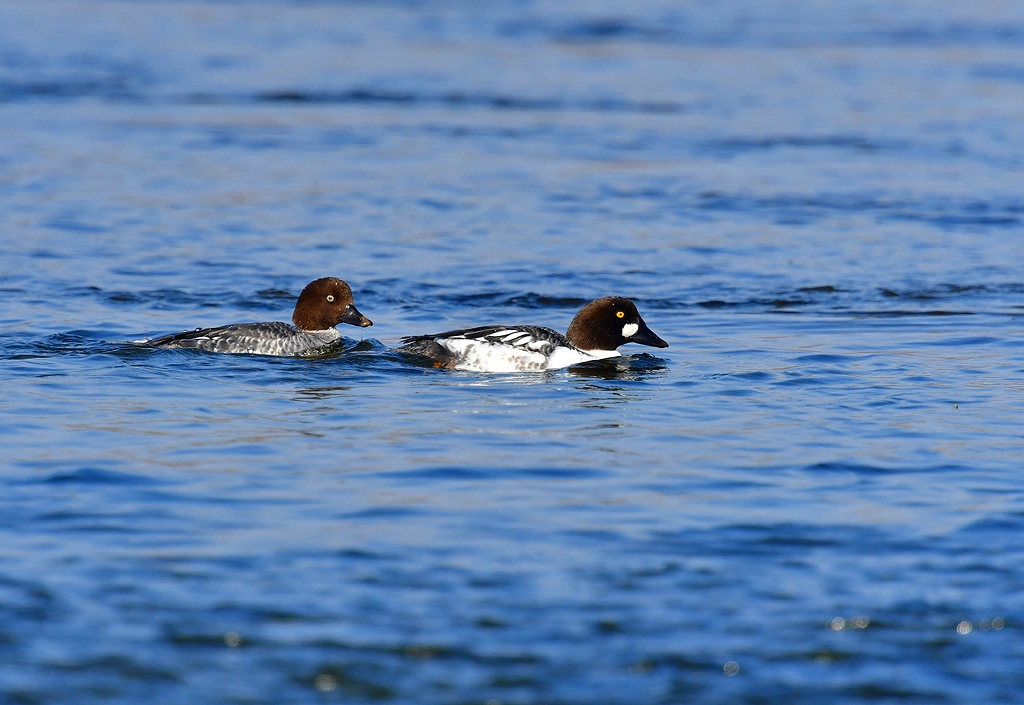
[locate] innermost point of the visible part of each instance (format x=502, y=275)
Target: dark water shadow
x=628, y=368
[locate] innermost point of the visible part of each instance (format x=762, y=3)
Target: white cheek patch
x=629, y=330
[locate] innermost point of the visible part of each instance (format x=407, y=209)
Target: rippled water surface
x=813, y=496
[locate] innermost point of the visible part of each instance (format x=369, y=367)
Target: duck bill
x=646, y=336
x=354, y=318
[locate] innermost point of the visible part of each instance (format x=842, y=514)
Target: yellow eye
x=619, y=314
x=330, y=297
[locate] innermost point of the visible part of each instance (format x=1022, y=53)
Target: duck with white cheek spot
x=322, y=305
x=594, y=334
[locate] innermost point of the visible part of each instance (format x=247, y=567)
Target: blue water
x=813, y=496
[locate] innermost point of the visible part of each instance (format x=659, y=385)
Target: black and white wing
x=535, y=339
x=490, y=348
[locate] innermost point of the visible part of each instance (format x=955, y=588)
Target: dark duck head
x=325, y=303
x=607, y=323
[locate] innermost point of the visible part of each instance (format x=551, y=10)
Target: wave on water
x=449, y=99
x=118, y=87
x=825, y=298
x=98, y=476
x=270, y=299
x=945, y=212
x=498, y=474
x=789, y=28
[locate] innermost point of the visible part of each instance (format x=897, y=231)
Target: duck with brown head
x=322, y=305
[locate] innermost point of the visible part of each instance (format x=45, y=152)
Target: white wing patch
x=564, y=357
x=517, y=338
x=629, y=330
x=517, y=350
x=485, y=356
